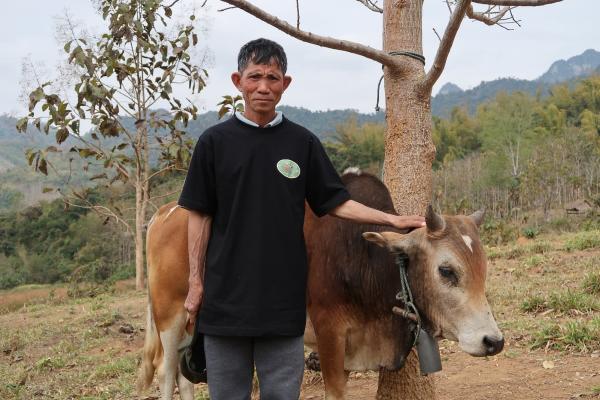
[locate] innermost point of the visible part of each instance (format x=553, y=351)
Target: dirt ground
x=55, y=347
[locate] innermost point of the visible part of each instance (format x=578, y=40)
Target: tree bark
x=141, y=201
x=409, y=153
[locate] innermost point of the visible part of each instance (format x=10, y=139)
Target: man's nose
x=263, y=87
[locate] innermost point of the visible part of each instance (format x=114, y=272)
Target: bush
x=583, y=241
x=530, y=232
x=497, y=232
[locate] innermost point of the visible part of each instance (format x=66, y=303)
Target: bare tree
x=409, y=150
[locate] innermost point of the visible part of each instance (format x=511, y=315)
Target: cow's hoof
x=312, y=362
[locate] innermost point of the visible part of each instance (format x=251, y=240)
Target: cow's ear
x=375, y=237
x=391, y=240
x=478, y=216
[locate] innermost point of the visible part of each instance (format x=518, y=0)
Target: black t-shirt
x=253, y=182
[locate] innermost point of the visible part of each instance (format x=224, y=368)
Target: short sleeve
x=199, y=189
x=325, y=190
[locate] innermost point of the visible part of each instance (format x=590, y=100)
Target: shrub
x=530, y=232
x=497, y=232
x=583, y=241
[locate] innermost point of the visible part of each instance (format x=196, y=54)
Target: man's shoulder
x=213, y=131
x=299, y=129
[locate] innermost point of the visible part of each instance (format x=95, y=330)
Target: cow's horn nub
x=477, y=217
x=434, y=221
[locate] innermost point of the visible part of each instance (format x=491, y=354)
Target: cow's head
x=447, y=272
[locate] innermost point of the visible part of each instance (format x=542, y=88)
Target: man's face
x=262, y=86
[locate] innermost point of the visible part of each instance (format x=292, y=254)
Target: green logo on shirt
x=288, y=168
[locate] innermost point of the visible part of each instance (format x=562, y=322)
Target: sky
x=322, y=78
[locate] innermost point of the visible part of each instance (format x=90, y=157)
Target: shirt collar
x=276, y=121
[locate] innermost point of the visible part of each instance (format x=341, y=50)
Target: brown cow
x=351, y=291
x=352, y=287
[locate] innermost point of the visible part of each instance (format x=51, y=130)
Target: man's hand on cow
x=193, y=301
x=407, y=221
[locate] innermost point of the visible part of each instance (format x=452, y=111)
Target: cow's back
x=167, y=259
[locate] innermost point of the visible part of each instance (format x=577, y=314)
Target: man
x=246, y=188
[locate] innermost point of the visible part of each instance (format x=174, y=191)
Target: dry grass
x=544, y=296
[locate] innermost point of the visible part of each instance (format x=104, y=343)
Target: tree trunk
x=409, y=153
x=139, y=235
x=141, y=201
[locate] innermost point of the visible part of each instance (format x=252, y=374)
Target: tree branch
x=324, y=41
x=516, y=3
x=446, y=44
x=371, y=5
x=486, y=17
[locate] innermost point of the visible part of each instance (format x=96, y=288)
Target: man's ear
x=286, y=81
x=236, y=78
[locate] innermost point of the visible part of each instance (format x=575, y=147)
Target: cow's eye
x=448, y=274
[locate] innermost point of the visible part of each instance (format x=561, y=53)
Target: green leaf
x=22, y=125
x=43, y=166
x=35, y=96
x=61, y=135
x=47, y=190
x=68, y=46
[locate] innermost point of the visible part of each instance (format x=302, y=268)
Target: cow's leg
x=171, y=339
x=186, y=388
x=331, y=341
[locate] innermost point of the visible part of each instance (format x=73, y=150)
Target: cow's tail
x=151, y=349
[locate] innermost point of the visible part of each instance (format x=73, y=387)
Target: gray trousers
x=230, y=365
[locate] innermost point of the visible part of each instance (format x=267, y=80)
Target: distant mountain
x=450, y=88
x=321, y=123
x=450, y=95
x=575, y=67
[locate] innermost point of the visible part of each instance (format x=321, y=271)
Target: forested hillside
x=518, y=156
x=568, y=71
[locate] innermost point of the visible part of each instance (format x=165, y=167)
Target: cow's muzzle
x=493, y=345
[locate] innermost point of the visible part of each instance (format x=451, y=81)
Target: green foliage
x=454, y=137
x=357, y=146
x=496, y=232
x=519, y=153
x=583, y=240
x=530, y=232
x=47, y=243
x=145, y=62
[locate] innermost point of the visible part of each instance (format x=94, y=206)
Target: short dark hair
x=262, y=51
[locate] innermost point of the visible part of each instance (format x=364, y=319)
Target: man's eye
x=448, y=274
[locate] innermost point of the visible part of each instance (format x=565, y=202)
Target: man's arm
x=199, y=225
x=357, y=212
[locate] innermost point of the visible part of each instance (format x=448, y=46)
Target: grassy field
x=545, y=293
